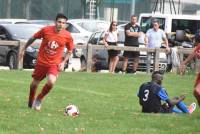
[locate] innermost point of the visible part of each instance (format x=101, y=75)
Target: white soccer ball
x=72, y=110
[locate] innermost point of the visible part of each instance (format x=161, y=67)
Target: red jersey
x=52, y=46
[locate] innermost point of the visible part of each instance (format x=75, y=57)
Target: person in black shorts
x=132, y=32
x=111, y=38
x=151, y=94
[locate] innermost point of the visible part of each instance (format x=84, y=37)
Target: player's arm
x=175, y=100
x=66, y=58
x=37, y=35
x=186, y=61
x=28, y=43
x=162, y=94
x=189, y=58
x=70, y=47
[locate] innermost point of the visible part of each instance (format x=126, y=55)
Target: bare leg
x=125, y=63
x=115, y=61
x=135, y=64
x=33, y=88
x=51, y=79
x=111, y=65
x=197, y=93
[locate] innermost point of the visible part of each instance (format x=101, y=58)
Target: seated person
x=152, y=93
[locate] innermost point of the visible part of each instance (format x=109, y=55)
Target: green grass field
x=108, y=105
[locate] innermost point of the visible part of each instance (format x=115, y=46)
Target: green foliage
x=108, y=105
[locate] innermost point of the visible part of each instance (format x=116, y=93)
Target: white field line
x=84, y=90
x=61, y=87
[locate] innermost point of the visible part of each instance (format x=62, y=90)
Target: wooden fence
x=156, y=51
x=90, y=47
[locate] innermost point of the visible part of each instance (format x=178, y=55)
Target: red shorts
x=197, y=80
x=42, y=71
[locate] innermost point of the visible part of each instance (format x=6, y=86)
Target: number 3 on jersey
x=146, y=95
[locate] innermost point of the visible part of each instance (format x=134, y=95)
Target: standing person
x=111, y=38
x=152, y=93
x=49, y=61
x=155, y=37
x=195, y=53
x=132, y=32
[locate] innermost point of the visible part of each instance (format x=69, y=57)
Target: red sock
x=44, y=91
x=32, y=92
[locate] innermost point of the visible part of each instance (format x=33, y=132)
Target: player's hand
x=61, y=66
x=182, y=97
x=175, y=98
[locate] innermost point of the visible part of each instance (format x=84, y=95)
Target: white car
x=82, y=29
x=13, y=21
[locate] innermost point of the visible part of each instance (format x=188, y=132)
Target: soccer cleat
x=37, y=105
x=30, y=104
x=192, y=107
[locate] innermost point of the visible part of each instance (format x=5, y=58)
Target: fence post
x=181, y=56
x=89, y=58
x=148, y=62
x=156, y=59
x=20, y=62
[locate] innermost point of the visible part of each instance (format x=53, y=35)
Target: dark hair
x=155, y=21
x=110, y=28
x=157, y=72
x=133, y=16
x=61, y=15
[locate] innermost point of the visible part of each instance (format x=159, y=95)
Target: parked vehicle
x=41, y=22
x=20, y=32
x=100, y=57
x=179, y=28
x=81, y=30
x=13, y=21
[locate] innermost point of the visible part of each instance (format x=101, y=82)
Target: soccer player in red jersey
x=195, y=53
x=50, y=57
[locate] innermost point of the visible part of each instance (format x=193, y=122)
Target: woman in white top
x=111, y=38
